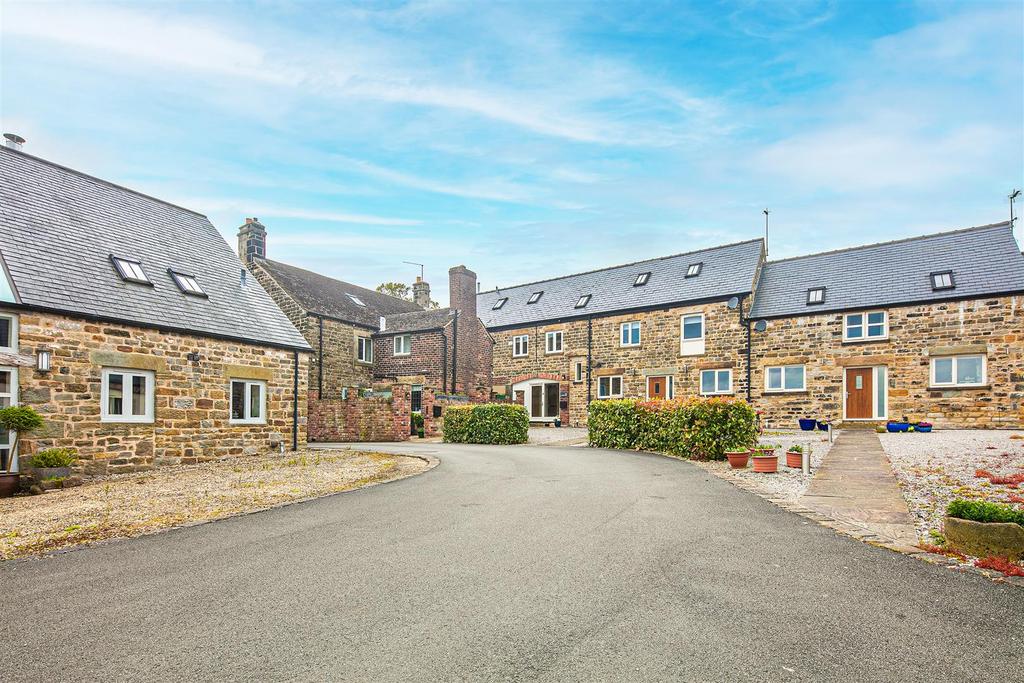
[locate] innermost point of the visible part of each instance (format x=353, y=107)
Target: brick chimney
x=252, y=240
x=462, y=290
x=421, y=293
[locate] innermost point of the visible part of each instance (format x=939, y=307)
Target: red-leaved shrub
x=1000, y=564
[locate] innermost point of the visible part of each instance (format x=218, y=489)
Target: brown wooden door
x=858, y=394
x=656, y=388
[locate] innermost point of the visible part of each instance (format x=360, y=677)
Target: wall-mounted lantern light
x=43, y=360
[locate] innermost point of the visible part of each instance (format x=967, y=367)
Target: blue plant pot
x=807, y=425
x=823, y=426
x=894, y=427
x=924, y=429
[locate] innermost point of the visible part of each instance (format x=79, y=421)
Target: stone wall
x=993, y=326
x=191, y=403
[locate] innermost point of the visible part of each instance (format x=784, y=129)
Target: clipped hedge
x=490, y=423
x=982, y=511
x=702, y=429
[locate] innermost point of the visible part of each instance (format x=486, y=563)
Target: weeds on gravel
x=1000, y=564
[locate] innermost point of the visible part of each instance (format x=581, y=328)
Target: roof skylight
x=355, y=299
x=130, y=270
x=499, y=303
x=641, y=279
x=693, y=270
x=815, y=295
x=187, y=283
x=943, y=280
x=535, y=297
x=583, y=301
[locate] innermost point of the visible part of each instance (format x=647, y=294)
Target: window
x=130, y=270
x=693, y=270
x=583, y=301
x=187, y=283
x=629, y=334
x=364, y=349
x=520, y=345
x=248, y=401
x=499, y=303
x=553, y=342
x=535, y=297
x=609, y=387
x=716, y=382
x=943, y=280
x=785, y=378
x=8, y=333
x=416, y=398
x=865, y=326
x=692, y=341
x=6, y=288
x=959, y=371
x=356, y=300
x=126, y=395
x=8, y=398
x=403, y=345
x=577, y=372
x=815, y=295
x=641, y=279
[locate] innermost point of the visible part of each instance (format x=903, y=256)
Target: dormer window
x=130, y=270
x=535, y=297
x=583, y=301
x=693, y=270
x=815, y=295
x=499, y=303
x=943, y=280
x=641, y=279
x=187, y=283
x=356, y=300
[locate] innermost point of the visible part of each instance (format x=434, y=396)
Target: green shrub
x=21, y=419
x=417, y=420
x=491, y=423
x=981, y=511
x=54, y=457
x=702, y=429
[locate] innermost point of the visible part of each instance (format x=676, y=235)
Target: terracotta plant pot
x=794, y=459
x=738, y=460
x=766, y=463
x=9, y=484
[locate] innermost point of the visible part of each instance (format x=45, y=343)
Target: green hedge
x=702, y=429
x=492, y=423
x=981, y=511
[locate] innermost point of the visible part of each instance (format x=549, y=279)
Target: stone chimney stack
x=252, y=240
x=462, y=290
x=421, y=293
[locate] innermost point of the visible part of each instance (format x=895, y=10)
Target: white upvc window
x=866, y=326
x=959, y=371
x=8, y=398
x=248, y=401
x=715, y=382
x=609, y=387
x=781, y=378
x=127, y=395
x=8, y=333
x=553, y=342
x=364, y=349
x=691, y=334
x=629, y=333
x=577, y=371
x=403, y=344
x=520, y=345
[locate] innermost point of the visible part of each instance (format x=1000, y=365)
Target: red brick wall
x=360, y=418
x=425, y=360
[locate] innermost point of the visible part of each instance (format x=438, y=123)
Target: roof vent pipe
x=242, y=274
x=13, y=141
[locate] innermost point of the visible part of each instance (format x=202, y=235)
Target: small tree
x=20, y=420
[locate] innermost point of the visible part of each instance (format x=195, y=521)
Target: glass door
x=8, y=397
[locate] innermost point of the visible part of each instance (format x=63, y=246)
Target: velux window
x=187, y=283
x=248, y=401
x=815, y=295
x=535, y=297
x=356, y=300
x=126, y=395
x=499, y=303
x=693, y=270
x=865, y=326
x=583, y=301
x=641, y=279
x=130, y=270
x=943, y=280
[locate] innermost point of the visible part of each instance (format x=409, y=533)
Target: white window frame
x=609, y=378
x=577, y=372
x=629, y=326
x=12, y=465
x=953, y=368
x=127, y=379
x=865, y=327
x=13, y=319
x=402, y=345
x=364, y=349
x=249, y=384
x=553, y=342
x=692, y=347
x=521, y=346
x=781, y=389
x=717, y=391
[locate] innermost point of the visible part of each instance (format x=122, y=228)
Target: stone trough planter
x=41, y=473
x=985, y=539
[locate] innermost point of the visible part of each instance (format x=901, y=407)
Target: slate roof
x=417, y=321
x=329, y=297
x=58, y=228
x=727, y=270
x=985, y=260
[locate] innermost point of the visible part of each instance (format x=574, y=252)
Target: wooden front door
x=657, y=388
x=858, y=394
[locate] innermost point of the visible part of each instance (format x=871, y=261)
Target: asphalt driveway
x=508, y=563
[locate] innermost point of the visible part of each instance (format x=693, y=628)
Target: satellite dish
x=760, y=326
x=733, y=303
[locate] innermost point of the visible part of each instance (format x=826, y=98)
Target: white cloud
x=257, y=208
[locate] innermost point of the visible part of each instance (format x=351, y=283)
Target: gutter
x=590, y=360
x=320, y=361
x=814, y=310
x=455, y=350
x=444, y=361
x=295, y=404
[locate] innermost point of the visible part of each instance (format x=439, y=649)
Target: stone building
x=665, y=328
x=128, y=324
x=929, y=328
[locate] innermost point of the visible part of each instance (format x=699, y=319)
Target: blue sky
x=531, y=139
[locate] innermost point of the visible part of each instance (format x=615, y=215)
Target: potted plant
x=20, y=420
x=924, y=427
x=822, y=425
x=807, y=424
x=738, y=456
x=52, y=463
x=417, y=424
x=795, y=456
x=765, y=459
x=893, y=426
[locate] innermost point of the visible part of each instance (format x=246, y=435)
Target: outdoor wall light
x=43, y=360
